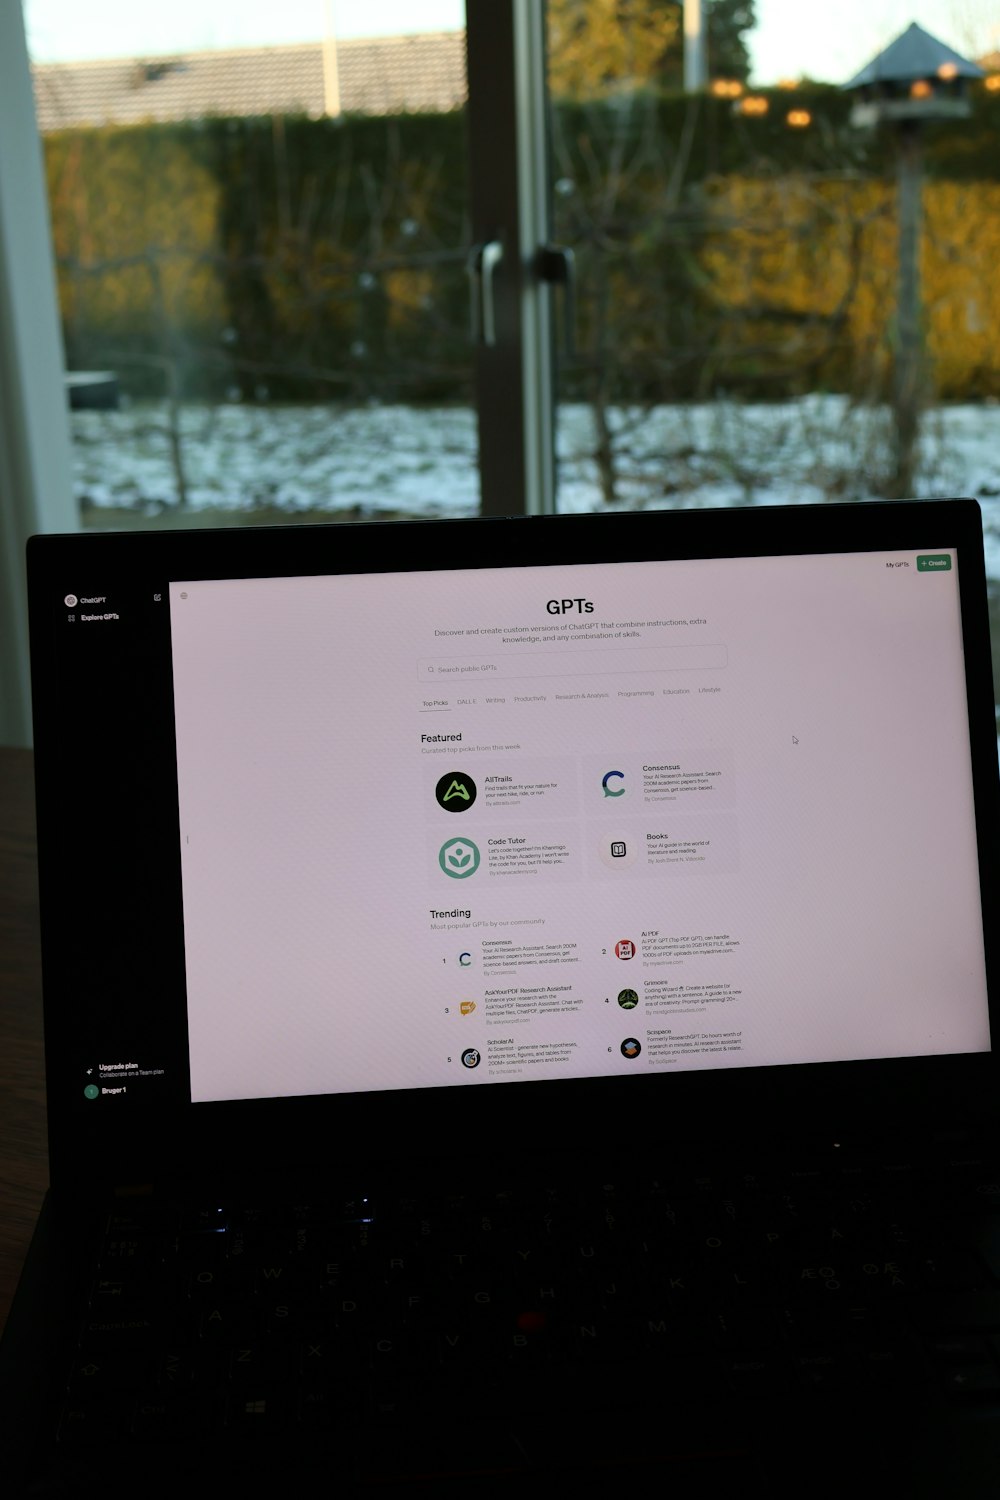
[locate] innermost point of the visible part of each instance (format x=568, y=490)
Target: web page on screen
x=464, y=827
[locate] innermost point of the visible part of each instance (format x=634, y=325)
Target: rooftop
x=384, y=75
x=912, y=56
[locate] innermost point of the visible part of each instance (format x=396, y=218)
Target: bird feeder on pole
x=915, y=81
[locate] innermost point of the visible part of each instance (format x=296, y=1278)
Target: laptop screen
x=522, y=823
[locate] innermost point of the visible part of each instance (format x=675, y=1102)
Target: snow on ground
x=421, y=461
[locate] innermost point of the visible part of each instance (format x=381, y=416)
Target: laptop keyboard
x=378, y=1310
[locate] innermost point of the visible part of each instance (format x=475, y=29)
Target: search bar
x=525, y=661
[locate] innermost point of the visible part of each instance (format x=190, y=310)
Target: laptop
x=517, y=1005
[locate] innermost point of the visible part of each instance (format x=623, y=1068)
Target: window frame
x=36, y=491
x=507, y=140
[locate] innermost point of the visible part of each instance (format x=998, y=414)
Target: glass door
x=785, y=287
x=262, y=234
x=738, y=323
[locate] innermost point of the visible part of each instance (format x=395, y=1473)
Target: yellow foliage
x=408, y=292
x=597, y=46
x=801, y=269
x=134, y=231
x=961, y=292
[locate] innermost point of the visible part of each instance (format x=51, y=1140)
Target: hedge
x=314, y=258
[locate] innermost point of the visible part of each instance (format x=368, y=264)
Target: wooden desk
x=23, y=1144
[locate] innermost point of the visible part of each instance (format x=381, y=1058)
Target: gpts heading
x=567, y=606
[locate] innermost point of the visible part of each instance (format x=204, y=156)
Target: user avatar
x=470, y=1057
x=631, y=1047
x=455, y=792
x=624, y=948
x=628, y=999
x=459, y=858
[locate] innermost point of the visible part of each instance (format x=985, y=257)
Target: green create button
x=933, y=562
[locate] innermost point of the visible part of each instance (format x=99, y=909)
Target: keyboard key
x=128, y=1326
x=825, y=1370
x=956, y=1312
x=958, y=1349
x=760, y=1377
x=325, y=1408
x=95, y=1375
x=259, y=1364
x=228, y=1323
x=323, y=1360
x=260, y=1411
x=168, y=1417
x=88, y=1424
x=972, y=1380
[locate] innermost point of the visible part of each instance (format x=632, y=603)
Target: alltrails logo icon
x=613, y=783
x=455, y=793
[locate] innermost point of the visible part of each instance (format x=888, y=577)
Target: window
x=275, y=234
x=262, y=256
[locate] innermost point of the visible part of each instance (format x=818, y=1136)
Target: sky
x=826, y=39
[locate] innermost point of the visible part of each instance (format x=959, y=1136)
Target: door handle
x=482, y=267
x=556, y=264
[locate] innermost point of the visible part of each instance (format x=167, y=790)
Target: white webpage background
x=309, y=834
